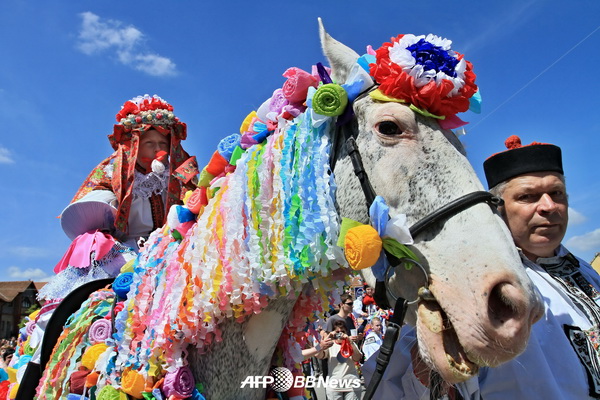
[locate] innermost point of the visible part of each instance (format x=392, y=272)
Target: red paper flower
x=197, y=200
x=128, y=108
x=4, y=388
x=138, y=104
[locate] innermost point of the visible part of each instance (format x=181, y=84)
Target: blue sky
x=67, y=67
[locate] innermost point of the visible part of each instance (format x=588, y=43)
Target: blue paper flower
x=122, y=284
x=379, y=214
x=228, y=144
x=433, y=57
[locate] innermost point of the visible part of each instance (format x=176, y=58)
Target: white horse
x=483, y=298
x=482, y=303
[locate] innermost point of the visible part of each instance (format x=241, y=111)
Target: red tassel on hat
x=513, y=142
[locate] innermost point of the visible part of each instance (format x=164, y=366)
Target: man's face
x=151, y=142
x=535, y=210
x=347, y=305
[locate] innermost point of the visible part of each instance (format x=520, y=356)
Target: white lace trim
x=145, y=186
x=108, y=170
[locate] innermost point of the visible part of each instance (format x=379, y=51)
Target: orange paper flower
x=133, y=383
x=362, y=246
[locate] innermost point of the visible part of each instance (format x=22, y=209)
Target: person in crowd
x=6, y=356
x=357, y=309
x=344, y=314
x=342, y=354
x=374, y=338
x=562, y=358
x=368, y=302
x=364, y=308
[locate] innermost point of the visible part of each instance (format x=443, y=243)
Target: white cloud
x=587, y=241
x=34, y=274
x=5, y=156
x=127, y=43
x=575, y=217
x=28, y=252
x=97, y=36
x=153, y=64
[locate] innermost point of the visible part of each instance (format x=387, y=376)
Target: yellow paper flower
x=13, y=391
x=92, y=354
x=187, y=196
x=133, y=383
x=362, y=246
x=128, y=266
x=246, y=122
x=12, y=374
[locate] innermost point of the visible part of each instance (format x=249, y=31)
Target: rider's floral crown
x=426, y=74
x=146, y=110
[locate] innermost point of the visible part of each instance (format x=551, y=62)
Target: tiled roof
x=10, y=290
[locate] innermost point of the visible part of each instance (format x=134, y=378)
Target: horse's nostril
x=504, y=304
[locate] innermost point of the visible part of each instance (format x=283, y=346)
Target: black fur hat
x=519, y=160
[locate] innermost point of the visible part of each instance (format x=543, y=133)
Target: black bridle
x=344, y=132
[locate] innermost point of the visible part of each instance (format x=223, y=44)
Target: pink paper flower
x=296, y=87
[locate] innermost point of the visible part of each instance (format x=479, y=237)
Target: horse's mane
x=269, y=228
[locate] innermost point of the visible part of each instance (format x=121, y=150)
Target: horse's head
x=483, y=303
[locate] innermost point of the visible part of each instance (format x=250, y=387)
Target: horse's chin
x=441, y=346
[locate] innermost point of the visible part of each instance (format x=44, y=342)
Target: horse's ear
x=341, y=57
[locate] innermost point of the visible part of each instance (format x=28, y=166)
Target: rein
x=344, y=132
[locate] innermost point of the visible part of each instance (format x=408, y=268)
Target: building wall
x=13, y=312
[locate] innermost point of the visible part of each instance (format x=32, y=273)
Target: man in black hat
x=562, y=358
x=530, y=180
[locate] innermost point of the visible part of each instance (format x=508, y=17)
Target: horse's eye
x=389, y=128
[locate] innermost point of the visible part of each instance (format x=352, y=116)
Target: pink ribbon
x=78, y=254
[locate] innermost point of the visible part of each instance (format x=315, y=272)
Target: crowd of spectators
x=350, y=334
x=7, y=349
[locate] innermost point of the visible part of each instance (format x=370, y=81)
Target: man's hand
x=326, y=342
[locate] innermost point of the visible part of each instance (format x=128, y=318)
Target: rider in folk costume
x=120, y=203
x=127, y=195
x=562, y=358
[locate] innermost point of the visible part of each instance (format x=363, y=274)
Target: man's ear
x=502, y=211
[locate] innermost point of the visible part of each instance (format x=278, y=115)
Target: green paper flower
x=330, y=100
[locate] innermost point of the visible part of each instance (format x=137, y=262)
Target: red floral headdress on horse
x=137, y=116
x=427, y=75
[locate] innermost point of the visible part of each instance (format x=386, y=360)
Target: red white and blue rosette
x=426, y=74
